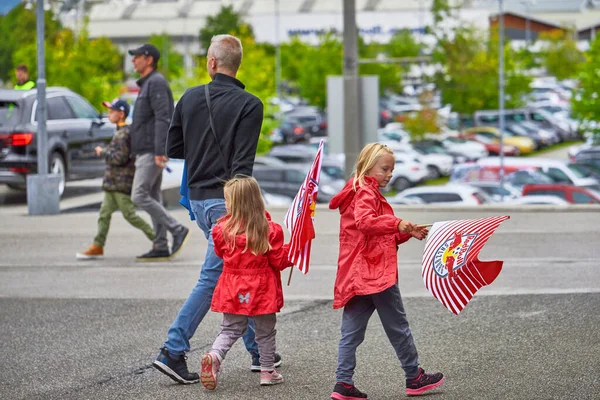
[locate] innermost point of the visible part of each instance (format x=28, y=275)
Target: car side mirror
x=99, y=121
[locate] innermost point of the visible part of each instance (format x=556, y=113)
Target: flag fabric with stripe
x=300, y=216
x=452, y=271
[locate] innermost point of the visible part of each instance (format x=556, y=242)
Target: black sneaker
x=154, y=255
x=174, y=368
x=341, y=392
x=423, y=383
x=179, y=240
x=256, y=362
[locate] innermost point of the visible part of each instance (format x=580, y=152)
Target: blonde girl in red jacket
x=253, y=254
x=367, y=274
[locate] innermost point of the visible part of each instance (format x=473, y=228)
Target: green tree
x=17, y=30
x=322, y=60
x=389, y=74
x=170, y=63
x=560, y=55
x=402, y=44
x=586, y=101
x=227, y=21
x=92, y=68
x=469, y=80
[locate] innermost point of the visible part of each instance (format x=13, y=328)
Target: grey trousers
x=233, y=328
x=146, y=195
x=393, y=318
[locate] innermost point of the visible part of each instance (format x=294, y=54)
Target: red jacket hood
x=343, y=199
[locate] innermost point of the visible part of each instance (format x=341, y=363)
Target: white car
x=469, y=149
x=554, y=200
x=450, y=194
x=408, y=172
x=558, y=170
x=498, y=193
x=437, y=164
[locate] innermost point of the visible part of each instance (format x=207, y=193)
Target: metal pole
x=352, y=141
x=501, y=88
x=42, y=135
x=277, y=53
x=527, y=25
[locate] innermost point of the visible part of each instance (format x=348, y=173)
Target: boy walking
x=117, y=183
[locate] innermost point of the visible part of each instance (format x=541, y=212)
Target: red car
x=492, y=148
x=572, y=194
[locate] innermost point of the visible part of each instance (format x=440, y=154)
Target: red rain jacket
x=250, y=284
x=369, y=240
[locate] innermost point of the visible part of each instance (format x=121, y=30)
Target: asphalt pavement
x=77, y=330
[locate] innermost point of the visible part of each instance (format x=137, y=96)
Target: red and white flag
x=451, y=270
x=300, y=216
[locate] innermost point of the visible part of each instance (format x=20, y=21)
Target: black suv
x=74, y=127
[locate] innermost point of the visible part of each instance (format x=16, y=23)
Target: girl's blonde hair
x=366, y=160
x=246, y=211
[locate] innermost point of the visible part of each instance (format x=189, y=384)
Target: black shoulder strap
x=212, y=128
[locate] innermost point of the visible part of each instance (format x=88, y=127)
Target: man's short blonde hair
x=227, y=49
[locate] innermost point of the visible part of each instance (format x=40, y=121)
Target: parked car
x=492, y=145
x=496, y=191
x=290, y=131
x=524, y=144
x=438, y=164
x=287, y=181
x=538, y=200
x=450, y=194
x=408, y=172
x=520, y=178
x=309, y=118
x=558, y=170
x=74, y=128
x=571, y=194
x=294, y=153
x=469, y=149
x=589, y=155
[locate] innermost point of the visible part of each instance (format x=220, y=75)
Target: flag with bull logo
x=300, y=216
x=452, y=271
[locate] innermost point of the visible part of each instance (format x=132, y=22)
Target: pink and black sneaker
x=210, y=366
x=343, y=391
x=423, y=383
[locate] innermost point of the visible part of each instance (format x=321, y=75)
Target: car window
x=537, y=117
x=268, y=175
x=582, y=198
x=441, y=197
x=579, y=171
x=9, y=113
x=557, y=175
x=81, y=108
x=488, y=135
x=294, y=176
x=58, y=109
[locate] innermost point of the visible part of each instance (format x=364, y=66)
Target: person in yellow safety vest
x=22, y=75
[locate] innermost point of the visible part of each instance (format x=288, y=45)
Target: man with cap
x=150, y=124
x=117, y=183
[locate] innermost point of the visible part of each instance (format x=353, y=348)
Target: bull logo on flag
x=451, y=255
x=452, y=271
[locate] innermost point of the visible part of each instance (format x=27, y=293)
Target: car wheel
x=400, y=184
x=58, y=166
x=433, y=172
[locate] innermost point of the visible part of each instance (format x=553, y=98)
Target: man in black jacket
x=151, y=118
x=212, y=155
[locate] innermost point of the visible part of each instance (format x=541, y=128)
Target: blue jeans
x=194, y=309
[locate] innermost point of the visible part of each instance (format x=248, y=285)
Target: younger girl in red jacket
x=367, y=274
x=253, y=254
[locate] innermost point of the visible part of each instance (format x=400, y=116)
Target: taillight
x=298, y=130
x=385, y=114
x=323, y=125
x=414, y=168
x=19, y=170
x=17, y=139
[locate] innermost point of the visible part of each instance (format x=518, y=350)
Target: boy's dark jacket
x=120, y=164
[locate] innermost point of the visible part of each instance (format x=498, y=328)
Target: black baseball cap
x=146, y=50
x=117, y=104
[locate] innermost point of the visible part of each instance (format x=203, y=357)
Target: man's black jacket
x=151, y=115
x=237, y=117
